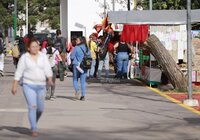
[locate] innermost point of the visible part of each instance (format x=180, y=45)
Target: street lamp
x=81, y=26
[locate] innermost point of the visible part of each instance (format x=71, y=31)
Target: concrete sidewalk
x=116, y=111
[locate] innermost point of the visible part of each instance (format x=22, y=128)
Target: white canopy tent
x=156, y=17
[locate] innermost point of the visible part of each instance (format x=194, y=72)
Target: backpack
x=50, y=56
x=1, y=46
x=15, y=51
x=86, y=62
x=58, y=44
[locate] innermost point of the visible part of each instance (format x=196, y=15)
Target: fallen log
x=169, y=66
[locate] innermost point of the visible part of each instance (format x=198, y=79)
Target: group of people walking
x=38, y=67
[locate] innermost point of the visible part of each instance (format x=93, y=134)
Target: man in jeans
x=103, y=59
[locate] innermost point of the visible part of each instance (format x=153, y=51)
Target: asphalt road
x=119, y=110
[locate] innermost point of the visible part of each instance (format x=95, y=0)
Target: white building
x=84, y=12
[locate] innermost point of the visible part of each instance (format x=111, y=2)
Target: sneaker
x=34, y=134
x=77, y=95
x=1, y=73
x=53, y=97
x=82, y=98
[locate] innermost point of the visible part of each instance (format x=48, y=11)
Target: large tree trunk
x=169, y=66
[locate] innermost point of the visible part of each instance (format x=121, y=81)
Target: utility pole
x=150, y=4
x=15, y=19
x=189, y=49
x=26, y=16
x=105, y=7
x=190, y=101
x=129, y=5
x=113, y=2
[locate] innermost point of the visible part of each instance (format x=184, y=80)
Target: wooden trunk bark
x=169, y=66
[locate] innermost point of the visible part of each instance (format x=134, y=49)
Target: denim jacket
x=77, y=54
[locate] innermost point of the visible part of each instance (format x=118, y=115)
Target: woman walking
x=93, y=48
x=33, y=68
x=122, y=49
x=77, y=56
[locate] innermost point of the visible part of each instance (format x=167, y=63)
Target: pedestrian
x=60, y=45
x=33, y=69
x=122, y=50
x=16, y=52
x=79, y=52
x=93, y=48
x=52, y=55
x=22, y=46
x=1, y=55
x=70, y=49
x=130, y=69
x=103, y=58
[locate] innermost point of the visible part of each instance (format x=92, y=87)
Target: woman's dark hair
x=73, y=41
x=58, y=32
x=83, y=41
x=30, y=35
x=30, y=42
x=49, y=46
x=50, y=42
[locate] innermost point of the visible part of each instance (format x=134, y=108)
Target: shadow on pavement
x=20, y=130
x=136, y=96
x=193, y=120
x=144, y=111
x=66, y=97
x=113, y=81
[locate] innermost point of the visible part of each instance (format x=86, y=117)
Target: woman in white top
x=33, y=69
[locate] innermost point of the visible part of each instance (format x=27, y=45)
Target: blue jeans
x=35, y=96
x=90, y=72
x=82, y=76
x=122, y=64
x=104, y=62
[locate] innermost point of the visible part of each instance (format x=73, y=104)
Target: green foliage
x=170, y=4
x=39, y=10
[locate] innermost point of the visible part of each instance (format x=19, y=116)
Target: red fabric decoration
x=111, y=47
x=133, y=33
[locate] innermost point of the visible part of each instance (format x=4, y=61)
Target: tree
x=6, y=18
x=170, y=4
x=46, y=10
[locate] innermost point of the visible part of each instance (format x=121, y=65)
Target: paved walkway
x=115, y=111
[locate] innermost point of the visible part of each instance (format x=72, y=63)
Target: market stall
x=169, y=26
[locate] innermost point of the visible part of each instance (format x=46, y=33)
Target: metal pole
x=135, y=4
x=189, y=49
x=113, y=2
x=150, y=5
x=85, y=32
x=105, y=7
x=129, y=5
x=26, y=16
x=15, y=19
